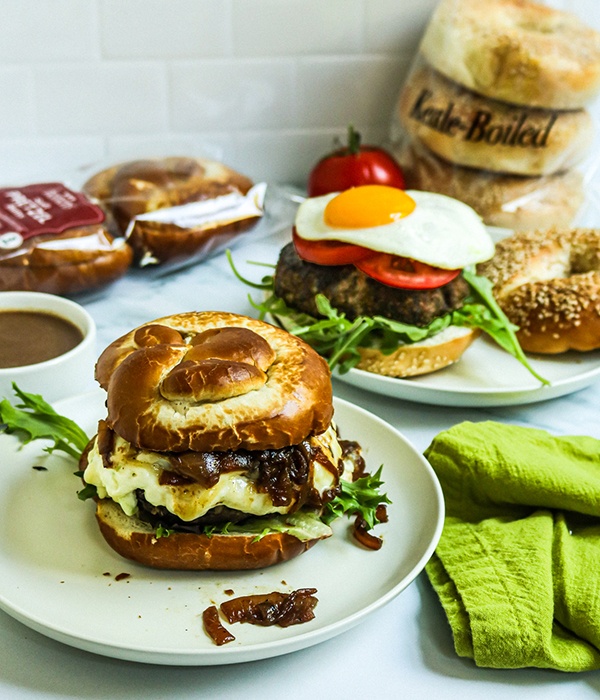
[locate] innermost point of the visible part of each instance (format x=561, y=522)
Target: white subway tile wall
x=264, y=85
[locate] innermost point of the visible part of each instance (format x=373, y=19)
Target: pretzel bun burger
x=218, y=450
x=383, y=280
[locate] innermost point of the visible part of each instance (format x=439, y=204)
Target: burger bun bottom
x=136, y=540
x=427, y=356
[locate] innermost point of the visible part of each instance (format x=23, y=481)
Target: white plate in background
x=486, y=375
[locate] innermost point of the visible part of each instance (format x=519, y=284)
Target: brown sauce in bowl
x=29, y=337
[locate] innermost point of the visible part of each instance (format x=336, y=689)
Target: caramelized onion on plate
x=265, y=610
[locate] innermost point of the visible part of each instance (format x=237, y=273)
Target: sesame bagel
x=206, y=381
x=548, y=284
x=516, y=51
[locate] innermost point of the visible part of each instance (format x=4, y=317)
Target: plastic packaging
x=494, y=111
x=176, y=211
x=54, y=240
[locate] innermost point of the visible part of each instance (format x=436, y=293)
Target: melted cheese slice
x=140, y=469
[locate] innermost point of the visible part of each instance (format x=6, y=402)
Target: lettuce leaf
x=304, y=525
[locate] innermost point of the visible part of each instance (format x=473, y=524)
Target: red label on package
x=48, y=207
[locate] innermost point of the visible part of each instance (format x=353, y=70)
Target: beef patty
x=353, y=293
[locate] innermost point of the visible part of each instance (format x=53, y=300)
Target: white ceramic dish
x=487, y=376
x=66, y=375
x=58, y=576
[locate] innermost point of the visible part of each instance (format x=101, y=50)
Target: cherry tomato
x=404, y=272
x=352, y=166
x=328, y=252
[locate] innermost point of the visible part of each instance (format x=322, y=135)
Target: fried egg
x=424, y=226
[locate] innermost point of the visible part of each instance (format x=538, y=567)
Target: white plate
x=58, y=576
x=487, y=376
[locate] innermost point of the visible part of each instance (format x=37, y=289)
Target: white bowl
x=66, y=375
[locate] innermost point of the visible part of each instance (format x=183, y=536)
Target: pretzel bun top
x=214, y=381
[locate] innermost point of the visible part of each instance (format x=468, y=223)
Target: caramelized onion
x=282, y=609
x=381, y=513
x=351, y=450
x=362, y=534
x=213, y=627
x=106, y=443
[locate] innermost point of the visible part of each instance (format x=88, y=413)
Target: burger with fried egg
x=383, y=279
x=218, y=450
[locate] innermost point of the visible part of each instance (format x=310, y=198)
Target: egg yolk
x=367, y=206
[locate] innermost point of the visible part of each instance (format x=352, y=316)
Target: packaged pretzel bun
x=54, y=239
x=177, y=210
x=496, y=101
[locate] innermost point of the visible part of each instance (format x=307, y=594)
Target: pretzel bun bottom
x=425, y=357
x=136, y=540
x=548, y=284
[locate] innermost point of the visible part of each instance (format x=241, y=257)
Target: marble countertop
x=403, y=650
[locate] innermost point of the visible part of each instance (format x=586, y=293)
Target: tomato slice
x=328, y=252
x=404, y=272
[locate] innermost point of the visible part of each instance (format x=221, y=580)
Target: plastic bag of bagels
x=53, y=239
x=176, y=211
x=495, y=111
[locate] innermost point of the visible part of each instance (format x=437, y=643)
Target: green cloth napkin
x=517, y=568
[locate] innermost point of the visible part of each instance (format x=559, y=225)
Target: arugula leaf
x=35, y=419
x=360, y=497
x=266, y=282
x=488, y=316
x=337, y=339
x=88, y=491
x=163, y=532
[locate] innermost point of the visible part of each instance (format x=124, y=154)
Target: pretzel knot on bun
x=214, y=381
x=548, y=284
